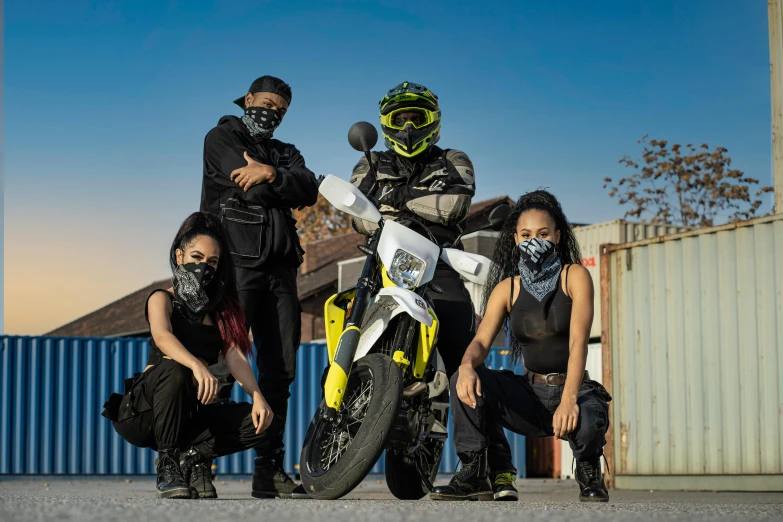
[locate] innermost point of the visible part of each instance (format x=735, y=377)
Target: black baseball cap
x=267, y=84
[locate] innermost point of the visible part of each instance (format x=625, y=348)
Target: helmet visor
x=398, y=119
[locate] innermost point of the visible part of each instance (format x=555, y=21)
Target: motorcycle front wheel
x=337, y=455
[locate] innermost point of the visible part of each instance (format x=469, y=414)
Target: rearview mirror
x=362, y=136
x=498, y=217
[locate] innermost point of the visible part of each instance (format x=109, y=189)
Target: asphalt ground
x=133, y=499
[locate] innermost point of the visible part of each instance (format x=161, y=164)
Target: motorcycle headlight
x=406, y=269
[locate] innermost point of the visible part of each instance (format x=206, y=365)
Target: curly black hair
x=505, y=258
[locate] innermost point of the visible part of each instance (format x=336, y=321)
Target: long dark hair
x=505, y=258
x=222, y=290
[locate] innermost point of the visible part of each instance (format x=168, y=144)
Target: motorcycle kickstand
x=424, y=476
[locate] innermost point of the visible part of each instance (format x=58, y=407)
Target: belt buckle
x=547, y=376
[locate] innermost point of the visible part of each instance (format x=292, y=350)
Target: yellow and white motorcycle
x=386, y=386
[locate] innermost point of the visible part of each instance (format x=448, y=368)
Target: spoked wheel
x=337, y=455
x=336, y=438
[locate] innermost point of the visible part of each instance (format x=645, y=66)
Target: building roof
x=125, y=316
x=319, y=268
x=122, y=318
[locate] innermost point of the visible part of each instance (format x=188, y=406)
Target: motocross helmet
x=410, y=119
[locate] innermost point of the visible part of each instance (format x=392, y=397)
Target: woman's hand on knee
x=207, y=383
x=262, y=414
x=565, y=419
x=468, y=385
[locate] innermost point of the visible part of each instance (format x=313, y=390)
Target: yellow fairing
x=334, y=322
x=428, y=336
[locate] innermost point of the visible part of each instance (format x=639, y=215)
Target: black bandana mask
x=190, y=282
x=261, y=121
x=539, y=267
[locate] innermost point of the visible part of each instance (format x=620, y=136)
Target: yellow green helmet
x=410, y=119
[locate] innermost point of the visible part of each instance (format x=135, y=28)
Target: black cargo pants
x=527, y=408
x=161, y=411
x=270, y=301
x=455, y=312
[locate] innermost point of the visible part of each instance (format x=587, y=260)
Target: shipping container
x=52, y=392
x=693, y=358
x=590, y=239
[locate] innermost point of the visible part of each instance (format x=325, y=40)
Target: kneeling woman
x=166, y=407
x=538, y=284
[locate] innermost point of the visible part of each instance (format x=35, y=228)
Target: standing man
x=252, y=182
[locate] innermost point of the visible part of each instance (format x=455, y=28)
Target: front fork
x=340, y=369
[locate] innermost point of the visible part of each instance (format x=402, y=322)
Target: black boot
x=471, y=482
x=170, y=483
x=271, y=481
x=591, y=481
x=197, y=470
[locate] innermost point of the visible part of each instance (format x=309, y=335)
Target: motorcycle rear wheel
x=402, y=474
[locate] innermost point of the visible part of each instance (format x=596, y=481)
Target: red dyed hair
x=231, y=323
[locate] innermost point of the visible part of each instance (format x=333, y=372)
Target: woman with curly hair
x=538, y=284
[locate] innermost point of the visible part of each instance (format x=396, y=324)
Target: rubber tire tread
x=370, y=441
x=403, y=478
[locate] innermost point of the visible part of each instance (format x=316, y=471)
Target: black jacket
x=258, y=222
x=436, y=188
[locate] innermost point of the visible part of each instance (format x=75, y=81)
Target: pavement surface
x=120, y=499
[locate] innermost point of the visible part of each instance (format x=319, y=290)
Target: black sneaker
x=503, y=487
x=470, y=482
x=591, y=481
x=271, y=481
x=170, y=483
x=198, y=471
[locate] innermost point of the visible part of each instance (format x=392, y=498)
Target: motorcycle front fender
x=385, y=306
x=413, y=304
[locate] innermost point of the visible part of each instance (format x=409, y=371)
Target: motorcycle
x=386, y=386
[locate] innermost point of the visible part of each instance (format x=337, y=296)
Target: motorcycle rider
x=417, y=179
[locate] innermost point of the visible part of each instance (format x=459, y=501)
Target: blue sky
x=107, y=104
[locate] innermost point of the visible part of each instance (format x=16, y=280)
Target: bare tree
x=688, y=185
x=321, y=221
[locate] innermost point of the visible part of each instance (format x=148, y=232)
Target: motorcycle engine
x=406, y=427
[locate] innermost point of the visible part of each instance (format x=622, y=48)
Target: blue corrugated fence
x=52, y=391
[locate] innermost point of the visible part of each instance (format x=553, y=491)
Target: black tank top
x=543, y=329
x=202, y=340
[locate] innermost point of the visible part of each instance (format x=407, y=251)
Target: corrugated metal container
x=591, y=238
x=694, y=358
x=52, y=392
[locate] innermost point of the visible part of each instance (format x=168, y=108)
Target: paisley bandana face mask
x=261, y=122
x=539, y=267
x=190, y=282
